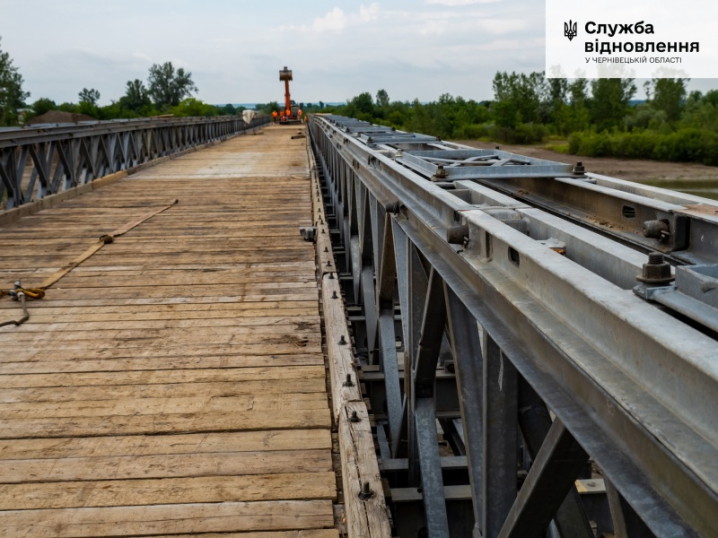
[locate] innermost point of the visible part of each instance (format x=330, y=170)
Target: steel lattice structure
x=38, y=161
x=497, y=295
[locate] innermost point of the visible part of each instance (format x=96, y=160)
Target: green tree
x=136, y=97
x=578, y=90
x=272, y=106
x=227, y=110
x=701, y=111
x=525, y=93
x=382, y=98
x=91, y=96
x=361, y=107
x=194, y=107
x=609, y=101
x=12, y=96
x=69, y=107
x=168, y=87
x=669, y=95
x=43, y=105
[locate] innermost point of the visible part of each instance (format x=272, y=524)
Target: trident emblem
x=569, y=29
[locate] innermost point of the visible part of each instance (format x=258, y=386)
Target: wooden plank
x=367, y=515
x=162, y=390
x=48, y=365
x=179, y=518
x=43, y=317
x=123, y=330
x=315, y=533
x=165, y=466
x=133, y=349
x=155, y=406
x=144, y=445
x=231, y=420
x=301, y=317
x=341, y=359
x=159, y=376
x=52, y=308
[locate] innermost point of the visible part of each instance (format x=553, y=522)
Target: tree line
x=166, y=91
x=584, y=117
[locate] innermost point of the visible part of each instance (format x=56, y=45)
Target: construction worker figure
x=274, y=116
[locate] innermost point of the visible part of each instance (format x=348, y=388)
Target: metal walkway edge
x=174, y=382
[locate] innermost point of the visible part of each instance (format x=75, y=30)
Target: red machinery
x=291, y=112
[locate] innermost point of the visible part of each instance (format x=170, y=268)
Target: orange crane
x=291, y=112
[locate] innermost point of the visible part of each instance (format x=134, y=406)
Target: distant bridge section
x=48, y=159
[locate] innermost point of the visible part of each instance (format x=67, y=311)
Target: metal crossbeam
x=573, y=361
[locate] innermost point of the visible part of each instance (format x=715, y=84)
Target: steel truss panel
x=36, y=162
x=534, y=305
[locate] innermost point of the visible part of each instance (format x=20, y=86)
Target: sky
x=234, y=49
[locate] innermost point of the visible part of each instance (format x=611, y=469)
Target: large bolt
x=656, y=229
x=349, y=382
x=657, y=272
x=366, y=492
x=355, y=417
x=342, y=341
x=579, y=169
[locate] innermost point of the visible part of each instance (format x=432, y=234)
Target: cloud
x=334, y=21
x=337, y=20
x=455, y=3
x=433, y=27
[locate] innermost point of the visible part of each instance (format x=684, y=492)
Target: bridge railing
x=39, y=161
x=555, y=356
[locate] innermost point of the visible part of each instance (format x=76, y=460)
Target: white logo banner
x=643, y=39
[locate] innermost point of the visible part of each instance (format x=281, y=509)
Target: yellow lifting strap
x=20, y=293
x=105, y=239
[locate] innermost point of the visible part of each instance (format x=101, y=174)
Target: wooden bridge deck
x=173, y=383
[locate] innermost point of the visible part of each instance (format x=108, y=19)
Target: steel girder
x=36, y=162
x=536, y=309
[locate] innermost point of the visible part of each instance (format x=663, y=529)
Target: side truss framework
x=35, y=163
x=534, y=355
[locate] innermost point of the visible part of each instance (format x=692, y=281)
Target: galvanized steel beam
x=634, y=386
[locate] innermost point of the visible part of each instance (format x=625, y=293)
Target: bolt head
x=657, y=272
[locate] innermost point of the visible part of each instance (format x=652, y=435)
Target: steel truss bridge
x=556, y=328
x=348, y=330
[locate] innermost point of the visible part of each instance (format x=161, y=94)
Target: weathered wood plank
x=146, y=445
x=231, y=420
x=46, y=364
x=341, y=360
x=179, y=518
x=159, y=376
x=155, y=406
x=162, y=390
x=367, y=516
x=165, y=466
